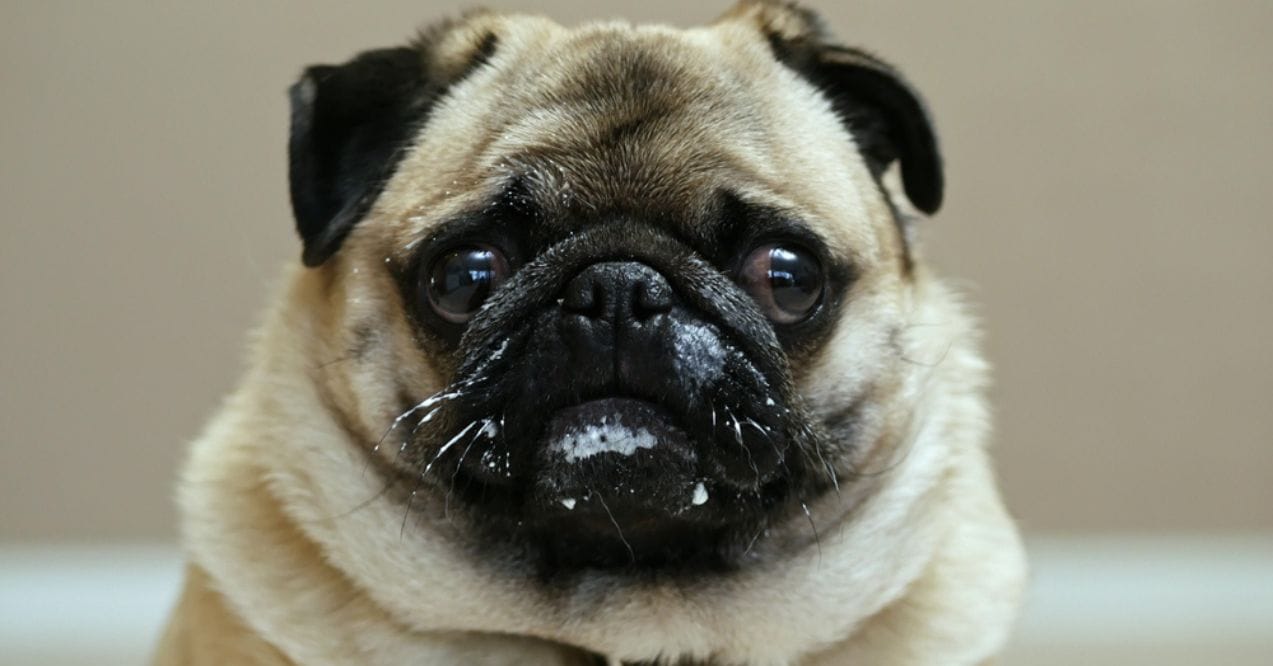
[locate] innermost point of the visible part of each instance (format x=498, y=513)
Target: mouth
x=617, y=483
x=621, y=456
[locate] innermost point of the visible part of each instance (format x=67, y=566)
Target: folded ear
x=352, y=124
x=887, y=117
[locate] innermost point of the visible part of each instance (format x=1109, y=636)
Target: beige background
x=1109, y=169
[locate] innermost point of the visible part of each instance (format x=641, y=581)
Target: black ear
x=350, y=124
x=886, y=115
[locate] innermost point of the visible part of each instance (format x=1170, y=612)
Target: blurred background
x=1108, y=167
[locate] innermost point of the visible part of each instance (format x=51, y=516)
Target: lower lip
x=629, y=453
x=620, y=426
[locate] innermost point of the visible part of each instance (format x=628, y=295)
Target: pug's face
x=613, y=298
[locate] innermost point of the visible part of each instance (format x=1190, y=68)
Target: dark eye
x=460, y=280
x=786, y=281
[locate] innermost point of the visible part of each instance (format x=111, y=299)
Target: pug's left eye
x=786, y=280
x=460, y=280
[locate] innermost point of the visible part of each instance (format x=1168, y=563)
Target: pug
x=610, y=344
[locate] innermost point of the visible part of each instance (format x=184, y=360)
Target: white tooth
x=700, y=495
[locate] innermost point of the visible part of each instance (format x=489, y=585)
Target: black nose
x=619, y=293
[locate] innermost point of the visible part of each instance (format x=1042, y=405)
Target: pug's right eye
x=460, y=280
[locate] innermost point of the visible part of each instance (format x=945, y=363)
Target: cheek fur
x=860, y=353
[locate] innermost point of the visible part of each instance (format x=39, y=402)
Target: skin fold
x=387, y=485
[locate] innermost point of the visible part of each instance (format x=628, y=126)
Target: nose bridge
x=618, y=292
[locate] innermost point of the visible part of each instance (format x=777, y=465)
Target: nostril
x=618, y=292
x=581, y=297
x=651, y=298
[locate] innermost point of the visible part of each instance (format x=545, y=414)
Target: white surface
x=75, y=605
x=1160, y=601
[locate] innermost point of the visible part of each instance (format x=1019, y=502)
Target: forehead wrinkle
x=612, y=119
x=566, y=187
x=598, y=147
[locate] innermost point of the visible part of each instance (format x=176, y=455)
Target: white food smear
x=595, y=439
x=495, y=355
x=700, y=495
x=699, y=352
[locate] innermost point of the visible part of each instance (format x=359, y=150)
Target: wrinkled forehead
x=614, y=115
x=614, y=118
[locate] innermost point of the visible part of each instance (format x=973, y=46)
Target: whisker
x=738, y=436
x=754, y=538
x=427, y=402
x=817, y=450
x=361, y=505
x=446, y=507
x=816, y=538
x=631, y=553
x=425, y=472
x=339, y=359
x=407, y=510
x=752, y=422
x=415, y=429
x=434, y=398
x=941, y=359
x=451, y=442
x=782, y=458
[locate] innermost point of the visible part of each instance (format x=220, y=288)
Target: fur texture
x=302, y=548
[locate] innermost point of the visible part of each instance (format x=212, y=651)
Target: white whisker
x=738, y=435
x=816, y=539
x=431, y=400
x=451, y=442
x=446, y=508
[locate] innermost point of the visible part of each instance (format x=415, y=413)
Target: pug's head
x=622, y=298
